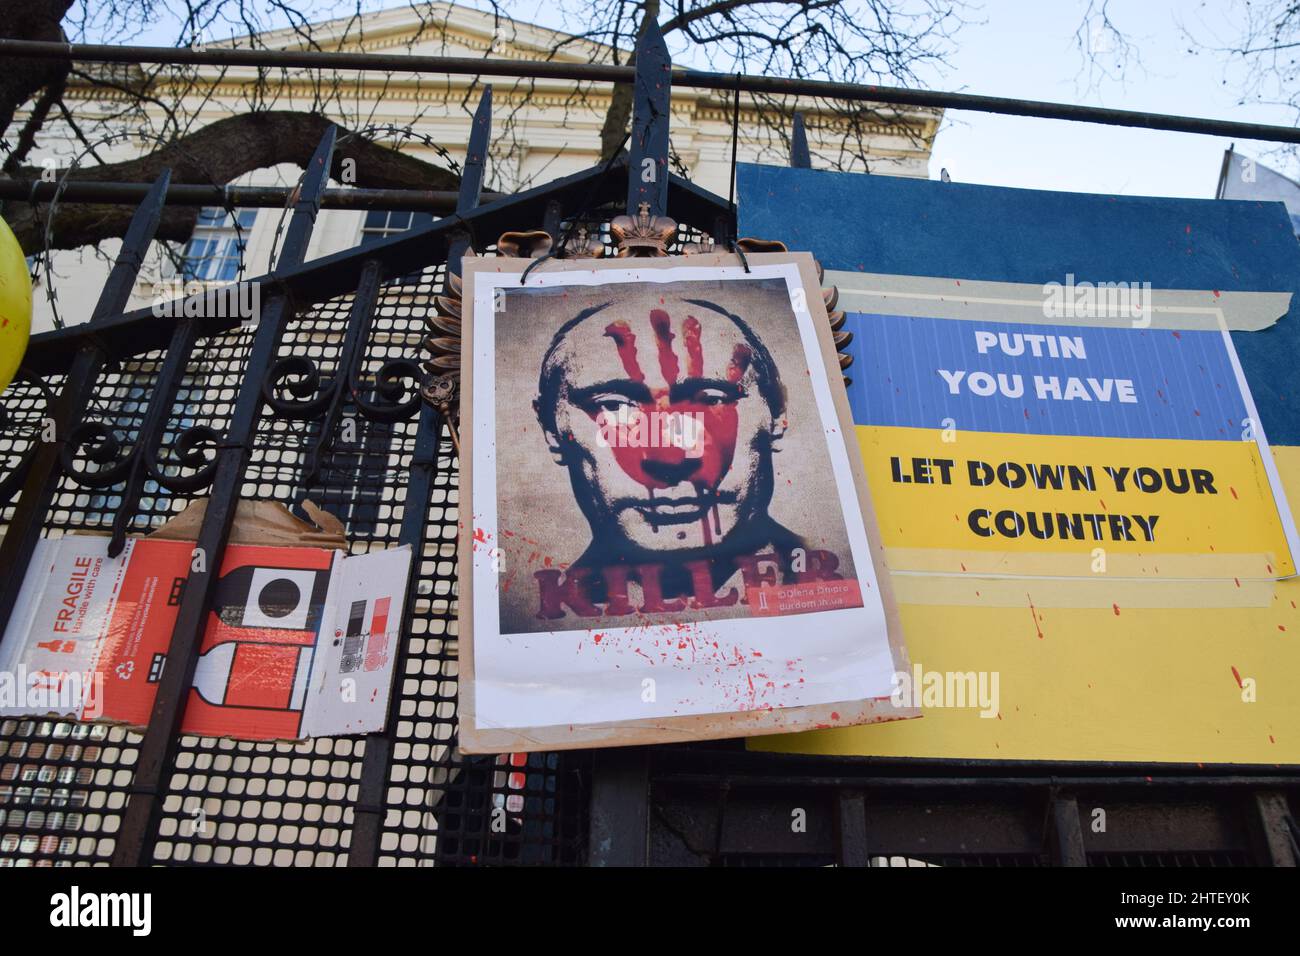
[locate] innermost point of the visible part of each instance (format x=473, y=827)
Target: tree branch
x=218, y=154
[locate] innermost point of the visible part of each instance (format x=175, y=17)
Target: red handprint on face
x=707, y=405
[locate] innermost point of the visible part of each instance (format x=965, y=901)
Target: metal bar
x=619, y=828
x=1067, y=831
x=715, y=759
x=336, y=391
x=471, y=177
x=161, y=398
x=471, y=186
x=42, y=482
x=620, y=791
x=157, y=753
x=1273, y=814
x=337, y=274
x=239, y=197
x=800, y=157
x=988, y=783
x=619, y=833
x=647, y=175
x=121, y=280
x=851, y=828
x=368, y=814
x=696, y=79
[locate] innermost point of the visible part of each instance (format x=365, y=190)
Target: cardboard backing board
x=666, y=533
x=1105, y=667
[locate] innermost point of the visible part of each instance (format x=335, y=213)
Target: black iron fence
x=147, y=414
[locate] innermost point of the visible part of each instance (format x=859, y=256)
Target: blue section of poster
x=1043, y=379
x=897, y=226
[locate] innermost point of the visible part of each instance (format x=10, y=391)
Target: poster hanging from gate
x=670, y=536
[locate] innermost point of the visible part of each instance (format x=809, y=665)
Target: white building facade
x=542, y=130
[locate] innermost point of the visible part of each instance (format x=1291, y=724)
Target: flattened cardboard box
x=666, y=533
x=300, y=639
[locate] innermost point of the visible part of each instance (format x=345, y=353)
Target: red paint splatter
x=1236, y=675
x=1033, y=613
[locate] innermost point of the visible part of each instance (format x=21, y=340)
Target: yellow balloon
x=15, y=304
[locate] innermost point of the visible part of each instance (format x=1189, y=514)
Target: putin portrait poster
x=665, y=530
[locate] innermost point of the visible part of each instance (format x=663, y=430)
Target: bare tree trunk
x=217, y=154
x=20, y=79
x=619, y=115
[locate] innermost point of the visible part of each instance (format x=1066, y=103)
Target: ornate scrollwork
x=97, y=442
x=642, y=234
x=525, y=245
x=442, y=344
x=300, y=376
x=397, y=401
x=440, y=386
x=583, y=245
x=188, y=450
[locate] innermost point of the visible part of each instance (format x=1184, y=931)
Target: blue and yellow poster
x=1027, y=448
x=1064, y=404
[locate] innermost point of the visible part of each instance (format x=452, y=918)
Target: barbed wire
x=405, y=133
x=139, y=135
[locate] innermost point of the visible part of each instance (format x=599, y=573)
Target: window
x=354, y=476
x=382, y=223
x=215, y=248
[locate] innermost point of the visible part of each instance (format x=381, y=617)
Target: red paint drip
x=662, y=324
x=694, y=353
x=625, y=341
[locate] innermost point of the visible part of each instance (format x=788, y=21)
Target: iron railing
x=152, y=413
